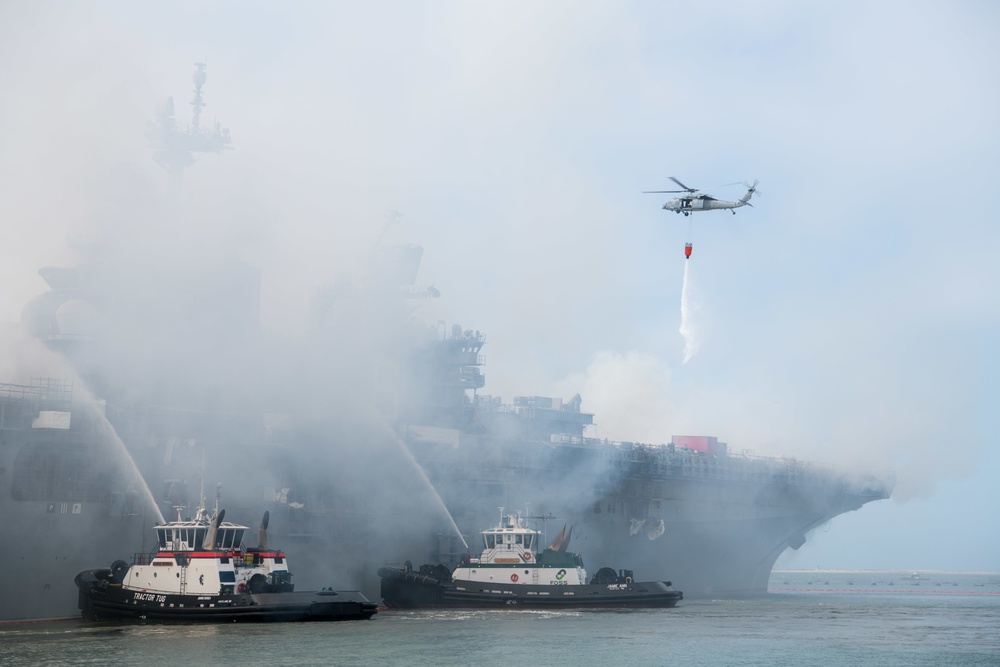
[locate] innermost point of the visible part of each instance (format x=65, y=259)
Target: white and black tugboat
x=200, y=571
x=512, y=571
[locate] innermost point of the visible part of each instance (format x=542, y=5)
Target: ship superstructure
x=689, y=510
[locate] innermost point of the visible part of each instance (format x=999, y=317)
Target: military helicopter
x=690, y=202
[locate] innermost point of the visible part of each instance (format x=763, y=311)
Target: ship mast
x=175, y=148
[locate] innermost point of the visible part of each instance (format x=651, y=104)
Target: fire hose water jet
x=427, y=482
x=135, y=477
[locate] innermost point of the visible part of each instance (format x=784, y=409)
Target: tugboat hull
x=410, y=590
x=101, y=599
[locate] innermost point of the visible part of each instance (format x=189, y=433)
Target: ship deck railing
x=672, y=462
x=40, y=388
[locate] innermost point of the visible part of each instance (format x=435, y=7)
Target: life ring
x=560, y=574
x=242, y=589
x=513, y=577
x=526, y=556
x=628, y=580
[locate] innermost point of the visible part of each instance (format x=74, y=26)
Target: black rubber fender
x=257, y=583
x=118, y=570
x=409, y=577
x=605, y=575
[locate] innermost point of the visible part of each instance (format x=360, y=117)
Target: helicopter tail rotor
x=751, y=190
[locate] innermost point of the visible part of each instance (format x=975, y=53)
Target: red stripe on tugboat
x=239, y=555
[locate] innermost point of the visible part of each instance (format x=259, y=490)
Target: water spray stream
x=35, y=359
x=423, y=475
x=136, y=476
x=688, y=329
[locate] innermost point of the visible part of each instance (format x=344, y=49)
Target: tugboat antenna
x=201, y=497
x=544, y=518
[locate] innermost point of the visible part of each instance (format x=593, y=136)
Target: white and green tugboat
x=513, y=570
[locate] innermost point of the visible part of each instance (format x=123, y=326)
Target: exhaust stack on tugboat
x=200, y=571
x=510, y=571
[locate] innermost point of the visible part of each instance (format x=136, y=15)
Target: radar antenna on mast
x=174, y=147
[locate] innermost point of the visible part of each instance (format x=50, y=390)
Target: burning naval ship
x=380, y=444
x=140, y=374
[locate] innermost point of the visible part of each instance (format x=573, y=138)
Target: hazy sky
x=850, y=317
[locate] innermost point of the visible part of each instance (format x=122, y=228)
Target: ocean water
x=883, y=619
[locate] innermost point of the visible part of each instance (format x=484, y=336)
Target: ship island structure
x=367, y=436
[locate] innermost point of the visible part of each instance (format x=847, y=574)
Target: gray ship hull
x=65, y=501
x=42, y=547
x=714, y=525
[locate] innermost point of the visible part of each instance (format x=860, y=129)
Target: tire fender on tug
x=118, y=570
